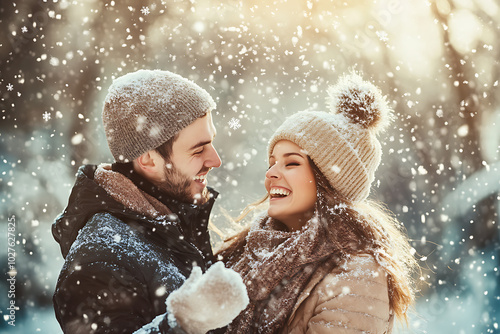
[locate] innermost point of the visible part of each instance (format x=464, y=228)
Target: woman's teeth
x=279, y=192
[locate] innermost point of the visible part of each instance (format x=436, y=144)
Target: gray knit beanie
x=146, y=108
x=343, y=143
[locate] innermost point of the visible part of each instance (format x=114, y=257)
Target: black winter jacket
x=120, y=266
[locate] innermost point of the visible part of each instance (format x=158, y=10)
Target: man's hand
x=207, y=301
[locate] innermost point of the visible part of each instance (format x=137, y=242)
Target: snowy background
x=437, y=60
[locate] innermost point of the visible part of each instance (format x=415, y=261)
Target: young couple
x=322, y=259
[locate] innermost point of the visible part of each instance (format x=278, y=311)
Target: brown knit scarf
x=275, y=266
x=123, y=190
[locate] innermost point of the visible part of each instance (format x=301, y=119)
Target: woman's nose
x=273, y=172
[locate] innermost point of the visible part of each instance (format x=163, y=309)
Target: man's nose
x=213, y=159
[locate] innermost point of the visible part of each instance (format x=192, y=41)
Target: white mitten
x=207, y=301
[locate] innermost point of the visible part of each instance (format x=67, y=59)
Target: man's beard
x=178, y=186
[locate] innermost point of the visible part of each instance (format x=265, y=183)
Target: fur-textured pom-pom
x=360, y=101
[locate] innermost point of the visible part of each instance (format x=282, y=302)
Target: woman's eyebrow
x=286, y=155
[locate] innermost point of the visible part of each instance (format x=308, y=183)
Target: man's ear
x=150, y=165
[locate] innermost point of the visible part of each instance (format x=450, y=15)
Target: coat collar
x=317, y=277
x=99, y=189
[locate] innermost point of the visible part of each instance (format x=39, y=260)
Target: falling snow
x=383, y=36
x=234, y=123
x=436, y=62
x=46, y=116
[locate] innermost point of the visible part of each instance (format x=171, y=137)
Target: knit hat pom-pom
x=360, y=101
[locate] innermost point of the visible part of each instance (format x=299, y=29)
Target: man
x=133, y=231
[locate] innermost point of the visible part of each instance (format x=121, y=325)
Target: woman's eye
x=292, y=164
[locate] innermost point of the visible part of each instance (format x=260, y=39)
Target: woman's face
x=291, y=186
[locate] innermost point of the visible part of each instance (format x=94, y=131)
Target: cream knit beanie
x=146, y=108
x=343, y=143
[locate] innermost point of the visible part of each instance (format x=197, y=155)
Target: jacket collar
x=193, y=219
x=88, y=198
x=317, y=277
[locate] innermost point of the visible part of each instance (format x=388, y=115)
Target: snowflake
x=234, y=123
x=10, y=87
x=24, y=29
x=145, y=10
x=382, y=35
x=46, y=116
x=488, y=47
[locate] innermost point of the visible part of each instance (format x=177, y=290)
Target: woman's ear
x=150, y=165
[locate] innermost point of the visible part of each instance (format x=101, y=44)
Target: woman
x=325, y=259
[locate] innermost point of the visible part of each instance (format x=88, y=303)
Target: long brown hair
x=366, y=227
x=377, y=232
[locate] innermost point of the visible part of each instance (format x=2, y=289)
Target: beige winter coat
x=352, y=298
